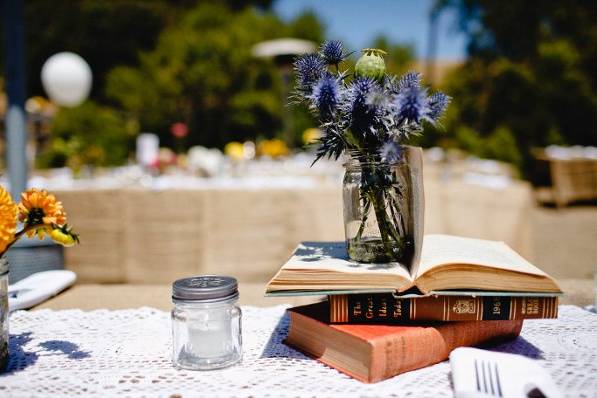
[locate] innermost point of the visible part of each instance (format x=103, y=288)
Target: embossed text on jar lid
x=205, y=288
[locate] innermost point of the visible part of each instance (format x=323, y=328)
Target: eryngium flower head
x=412, y=105
x=362, y=111
x=410, y=79
x=438, y=103
x=333, y=52
x=326, y=96
x=360, y=91
x=309, y=69
x=390, y=152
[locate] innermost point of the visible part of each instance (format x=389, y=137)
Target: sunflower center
x=35, y=216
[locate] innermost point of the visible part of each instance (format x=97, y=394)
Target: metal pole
x=16, y=125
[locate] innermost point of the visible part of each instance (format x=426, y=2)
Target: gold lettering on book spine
x=383, y=308
x=370, y=308
x=466, y=306
x=496, y=307
x=397, y=313
x=529, y=307
x=357, y=309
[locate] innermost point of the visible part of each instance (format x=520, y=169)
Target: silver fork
x=488, y=378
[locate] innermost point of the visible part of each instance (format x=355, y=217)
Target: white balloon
x=66, y=77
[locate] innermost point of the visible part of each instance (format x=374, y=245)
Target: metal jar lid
x=205, y=288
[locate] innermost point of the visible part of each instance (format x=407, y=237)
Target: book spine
x=385, y=308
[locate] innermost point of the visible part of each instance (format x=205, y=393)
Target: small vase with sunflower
x=38, y=214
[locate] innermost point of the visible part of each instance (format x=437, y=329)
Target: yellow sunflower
x=8, y=219
x=38, y=207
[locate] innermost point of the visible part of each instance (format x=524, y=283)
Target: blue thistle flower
x=309, y=69
x=410, y=79
x=390, y=152
x=363, y=112
x=326, y=96
x=412, y=105
x=438, y=102
x=333, y=52
x=361, y=90
x=377, y=98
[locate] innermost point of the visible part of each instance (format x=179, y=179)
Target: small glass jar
x=206, y=323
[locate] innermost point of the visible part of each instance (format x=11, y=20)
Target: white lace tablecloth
x=127, y=353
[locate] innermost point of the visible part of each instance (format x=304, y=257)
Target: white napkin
x=518, y=375
x=38, y=287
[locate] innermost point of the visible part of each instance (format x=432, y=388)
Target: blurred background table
x=89, y=297
x=566, y=174
x=138, y=228
x=139, y=235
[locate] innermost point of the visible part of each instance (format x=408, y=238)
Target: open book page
x=441, y=250
x=333, y=256
x=325, y=265
x=417, y=207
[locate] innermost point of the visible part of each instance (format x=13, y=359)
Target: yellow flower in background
x=38, y=207
x=235, y=150
x=8, y=219
x=311, y=135
x=274, y=148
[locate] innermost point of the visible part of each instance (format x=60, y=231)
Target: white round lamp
x=66, y=77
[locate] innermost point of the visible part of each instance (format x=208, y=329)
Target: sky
x=358, y=22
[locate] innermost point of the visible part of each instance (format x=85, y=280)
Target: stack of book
x=381, y=320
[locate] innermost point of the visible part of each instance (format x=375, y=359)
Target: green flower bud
x=371, y=64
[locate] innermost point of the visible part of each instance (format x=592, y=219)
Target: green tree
x=89, y=134
x=104, y=33
x=530, y=73
x=201, y=72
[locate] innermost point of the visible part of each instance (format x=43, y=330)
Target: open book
x=446, y=264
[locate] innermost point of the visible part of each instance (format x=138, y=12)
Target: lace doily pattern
x=127, y=353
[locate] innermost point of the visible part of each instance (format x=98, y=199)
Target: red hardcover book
x=371, y=353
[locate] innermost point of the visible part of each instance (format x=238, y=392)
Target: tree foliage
x=530, y=78
x=202, y=72
x=105, y=33
x=89, y=134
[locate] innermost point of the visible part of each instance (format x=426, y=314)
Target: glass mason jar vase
x=206, y=323
x=379, y=209
x=3, y=313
